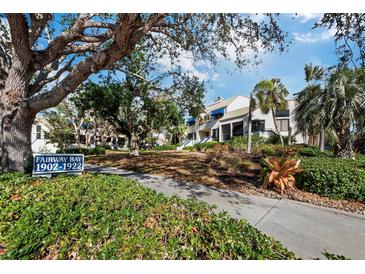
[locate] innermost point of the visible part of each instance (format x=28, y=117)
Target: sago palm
x=271, y=96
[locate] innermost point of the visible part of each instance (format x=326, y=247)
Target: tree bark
x=276, y=127
x=344, y=147
x=249, y=133
x=289, y=135
x=321, y=139
x=134, y=147
x=77, y=133
x=16, y=152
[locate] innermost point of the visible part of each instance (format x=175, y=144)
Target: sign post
x=48, y=164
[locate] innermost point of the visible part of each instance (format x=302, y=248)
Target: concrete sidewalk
x=306, y=229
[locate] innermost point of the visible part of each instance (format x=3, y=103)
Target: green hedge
x=309, y=151
x=240, y=142
x=110, y=217
x=204, y=146
x=165, y=147
x=85, y=151
x=333, y=177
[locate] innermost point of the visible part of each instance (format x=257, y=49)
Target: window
x=258, y=125
x=206, y=134
x=283, y=124
x=83, y=139
x=237, y=129
x=46, y=135
x=226, y=132
x=282, y=113
x=215, y=134
x=218, y=116
x=39, y=132
x=192, y=136
x=121, y=141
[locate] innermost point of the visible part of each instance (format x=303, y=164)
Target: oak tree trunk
x=77, y=134
x=134, y=147
x=16, y=144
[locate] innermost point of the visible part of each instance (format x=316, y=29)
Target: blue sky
x=308, y=46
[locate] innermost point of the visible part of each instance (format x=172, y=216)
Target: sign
x=47, y=164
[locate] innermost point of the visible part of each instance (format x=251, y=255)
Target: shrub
x=189, y=148
x=309, y=151
x=240, y=142
x=165, y=147
x=280, y=173
x=84, y=150
x=274, y=139
x=266, y=150
x=269, y=151
x=333, y=177
x=110, y=217
x=204, y=146
x=289, y=151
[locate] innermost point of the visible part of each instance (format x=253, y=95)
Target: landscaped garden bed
x=109, y=217
x=239, y=172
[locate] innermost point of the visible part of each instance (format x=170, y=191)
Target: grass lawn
x=109, y=217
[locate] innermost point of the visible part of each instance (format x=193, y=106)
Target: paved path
x=305, y=229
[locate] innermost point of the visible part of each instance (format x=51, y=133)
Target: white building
x=40, y=142
x=225, y=119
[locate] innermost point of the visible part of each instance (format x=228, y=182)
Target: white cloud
x=305, y=17
x=311, y=37
x=258, y=17
x=186, y=62
x=215, y=76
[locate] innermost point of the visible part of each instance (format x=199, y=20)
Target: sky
x=308, y=46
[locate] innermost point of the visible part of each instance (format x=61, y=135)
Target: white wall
x=239, y=102
x=269, y=122
x=41, y=145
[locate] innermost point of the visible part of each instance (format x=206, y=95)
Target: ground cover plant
x=109, y=217
x=84, y=150
x=165, y=147
x=333, y=177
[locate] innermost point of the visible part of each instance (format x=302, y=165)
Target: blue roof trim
x=190, y=120
x=217, y=111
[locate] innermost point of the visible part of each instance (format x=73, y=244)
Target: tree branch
x=19, y=35
x=38, y=23
x=43, y=80
x=128, y=33
x=55, y=47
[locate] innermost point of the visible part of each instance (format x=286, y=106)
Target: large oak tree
x=45, y=57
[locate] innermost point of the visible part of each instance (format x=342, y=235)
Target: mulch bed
x=211, y=169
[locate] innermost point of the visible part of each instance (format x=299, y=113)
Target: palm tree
x=251, y=108
x=271, y=96
x=336, y=107
x=309, y=110
x=344, y=104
